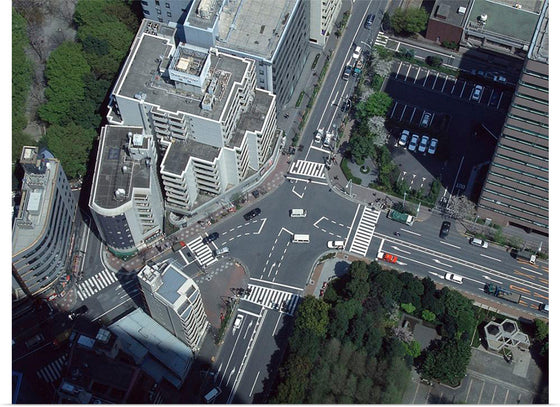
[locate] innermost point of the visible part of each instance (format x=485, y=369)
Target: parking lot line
x=507, y=394
x=481, y=391
x=435, y=80
x=444, y=82
x=407, y=72
x=426, y=78
x=490, y=98
x=416, y=77
x=399, y=69
x=469, y=389
x=412, y=115
x=494, y=394
x=394, y=107
x=499, y=100
x=462, y=90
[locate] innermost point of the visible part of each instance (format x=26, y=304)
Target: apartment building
x=126, y=200
x=174, y=301
x=42, y=229
x=322, y=16
x=516, y=188
x=212, y=126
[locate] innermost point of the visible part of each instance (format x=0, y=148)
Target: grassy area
x=315, y=61
x=300, y=98
x=348, y=173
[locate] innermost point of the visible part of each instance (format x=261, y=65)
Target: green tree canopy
x=428, y=316
x=446, y=360
x=361, y=147
x=377, y=104
x=312, y=316
x=409, y=21
x=71, y=144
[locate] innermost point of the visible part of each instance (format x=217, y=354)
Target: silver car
x=423, y=144
x=433, y=146
x=404, y=138
x=413, y=143
x=477, y=93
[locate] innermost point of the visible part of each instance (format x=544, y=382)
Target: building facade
x=126, y=200
x=322, y=16
x=42, y=229
x=516, y=188
x=212, y=127
x=174, y=301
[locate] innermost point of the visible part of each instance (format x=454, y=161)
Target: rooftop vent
x=120, y=194
x=140, y=96
x=462, y=10
x=126, y=169
x=483, y=18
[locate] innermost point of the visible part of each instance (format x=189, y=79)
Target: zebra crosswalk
x=271, y=298
x=95, y=283
x=308, y=169
x=201, y=252
x=364, y=232
x=52, y=372
x=381, y=39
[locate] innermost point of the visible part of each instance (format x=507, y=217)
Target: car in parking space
x=426, y=119
x=444, y=231
x=369, y=21
x=413, y=143
x=211, y=237
x=477, y=93
x=499, y=79
x=251, y=214
x=357, y=52
x=238, y=322
x=405, y=134
x=454, y=278
x=433, y=146
x=423, y=144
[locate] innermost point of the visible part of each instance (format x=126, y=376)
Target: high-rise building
x=322, y=16
x=174, y=301
x=126, y=200
x=214, y=130
x=42, y=229
x=516, y=188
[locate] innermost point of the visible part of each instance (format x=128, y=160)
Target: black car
x=78, y=311
x=251, y=214
x=369, y=21
x=211, y=237
x=444, y=231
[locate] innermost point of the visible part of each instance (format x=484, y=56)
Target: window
x=144, y=2
x=146, y=12
x=166, y=5
x=157, y=2
x=158, y=10
x=168, y=14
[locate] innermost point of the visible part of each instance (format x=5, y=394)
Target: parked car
x=499, y=79
x=335, y=244
x=78, y=311
x=478, y=242
x=477, y=93
x=413, y=143
x=543, y=307
x=426, y=119
x=251, y=214
x=454, y=278
x=357, y=52
x=444, y=231
x=433, y=146
x=369, y=21
x=404, y=138
x=423, y=144
x=222, y=251
x=238, y=322
x=211, y=237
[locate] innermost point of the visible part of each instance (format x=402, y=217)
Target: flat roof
x=539, y=45
x=254, y=26
x=504, y=19
x=109, y=172
x=203, y=13
x=142, y=76
x=447, y=11
x=178, y=154
x=253, y=119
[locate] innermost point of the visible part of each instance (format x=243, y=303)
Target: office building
x=516, y=188
x=322, y=16
x=126, y=200
x=171, y=12
x=174, y=301
x=42, y=229
x=213, y=128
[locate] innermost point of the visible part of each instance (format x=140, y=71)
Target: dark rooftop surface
x=447, y=11
x=253, y=119
x=179, y=152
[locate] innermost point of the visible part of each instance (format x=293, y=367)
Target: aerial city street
x=280, y=201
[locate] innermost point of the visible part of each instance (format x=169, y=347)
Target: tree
x=408, y=308
x=413, y=349
x=460, y=207
x=361, y=147
x=312, y=316
x=409, y=21
x=71, y=144
x=428, y=316
x=294, y=380
x=446, y=360
x=376, y=125
x=434, y=61
x=377, y=104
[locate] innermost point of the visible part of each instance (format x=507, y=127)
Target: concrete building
x=447, y=20
x=278, y=40
x=153, y=348
x=170, y=12
x=42, y=229
x=174, y=301
x=213, y=128
x=126, y=200
x=322, y=16
x=516, y=188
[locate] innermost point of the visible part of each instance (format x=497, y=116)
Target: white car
x=433, y=146
x=357, y=52
x=423, y=144
x=477, y=93
x=335, y=244
x=454, y=278
x=413, y=143
x=238, y=322
x=404, y=138
x=426, y=119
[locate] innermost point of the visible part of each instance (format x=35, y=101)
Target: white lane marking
x=449, y=244
x=443, y=264
x=254, y=383
x=492, y=258
x=352, y=224
x=400, y=250
x=496, y=281
x=300, y=196
x=248, y=312
x=411, y=232
x=277, y=322
x=531, y=271
x=437, y=275
x=270, y=282
x=262, y=226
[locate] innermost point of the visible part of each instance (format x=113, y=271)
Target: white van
x=300, y=238
x=478, y=242
x=212, y=394
x=298, y=213
x=335, y=244
x=222, y=251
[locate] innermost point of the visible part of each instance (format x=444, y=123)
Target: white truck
x=328, y=139
x=319, y=135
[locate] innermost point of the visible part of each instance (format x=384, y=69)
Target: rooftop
x=143, y=78
x=504, y=19
x=539, y=45
x=203, y=13
x=240, y=30
x=138, y=332
x=253, y=118
x=178, y=153
x=116, y=169
x=448, y=11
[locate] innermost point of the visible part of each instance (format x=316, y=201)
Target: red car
x=389, y=258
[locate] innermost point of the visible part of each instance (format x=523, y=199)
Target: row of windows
x=533, y=86
x=146, y=12
x=528, y=121
x=543, y=113
x=514, y=198
x=535, y=74
x=532, y=133
x=524, y=142
x=531, y=98
x=527, y=174
x=518, y=151
x=515, y=190
x=518, y=181
x=510, y=215
x=520, y=162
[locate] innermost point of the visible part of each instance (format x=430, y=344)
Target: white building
x=126, y=200
x=322, y=16
x=174, y=301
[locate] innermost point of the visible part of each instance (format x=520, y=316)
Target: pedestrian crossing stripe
x=364, y=232
x=308, y=169
x=95, y=283
x=282, y=301
x=201, y=252
x=381, y=39
x=52, y=372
